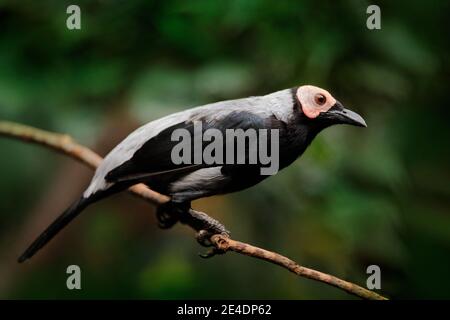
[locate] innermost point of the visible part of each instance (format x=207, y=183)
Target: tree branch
x=66, y=145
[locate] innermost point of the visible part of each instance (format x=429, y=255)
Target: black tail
x=57, y=225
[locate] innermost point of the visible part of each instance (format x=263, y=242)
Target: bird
x=298, y=114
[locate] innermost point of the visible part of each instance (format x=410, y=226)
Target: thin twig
x=66, y=145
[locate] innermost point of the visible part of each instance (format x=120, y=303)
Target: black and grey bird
x=144, y=156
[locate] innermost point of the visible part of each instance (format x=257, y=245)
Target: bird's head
x=319, y=106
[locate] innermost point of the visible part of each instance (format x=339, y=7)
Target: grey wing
x=153, y=160
x=125, y=150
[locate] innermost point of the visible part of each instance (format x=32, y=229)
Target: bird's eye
x=320, y=99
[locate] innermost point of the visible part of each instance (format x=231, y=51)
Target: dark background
x=357, y=197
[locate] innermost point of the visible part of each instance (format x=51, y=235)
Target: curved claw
x=165, y=225
x=208, y=254
x=166, y=222
x=211, y=253
x=166, y=217
x=203, y=238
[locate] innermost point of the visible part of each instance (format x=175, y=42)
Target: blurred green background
x=357, y=197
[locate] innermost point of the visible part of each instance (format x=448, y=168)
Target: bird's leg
x=171, y=212
x=206, y=227
x=204, y=224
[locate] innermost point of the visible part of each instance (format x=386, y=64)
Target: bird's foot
x=168, y=215
x=204, y=238
x=206, y=227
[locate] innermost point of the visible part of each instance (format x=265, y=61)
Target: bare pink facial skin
x=314, y=100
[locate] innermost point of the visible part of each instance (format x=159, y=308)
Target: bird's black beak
x=339, y=114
